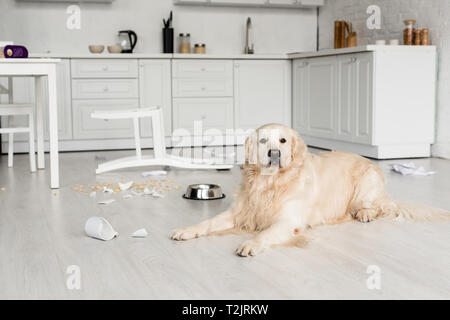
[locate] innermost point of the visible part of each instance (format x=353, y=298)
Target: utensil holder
x=167, y=40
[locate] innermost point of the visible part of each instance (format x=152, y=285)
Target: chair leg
x=31, y=142
x=10, y=149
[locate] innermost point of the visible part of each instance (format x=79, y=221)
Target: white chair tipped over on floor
x=10, y=109
x=161, y=157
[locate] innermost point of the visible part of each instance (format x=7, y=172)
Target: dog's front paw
x=185, y=234
x=249, y=248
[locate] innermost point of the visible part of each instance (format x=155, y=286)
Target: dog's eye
x=263, y=140
x=283, y=140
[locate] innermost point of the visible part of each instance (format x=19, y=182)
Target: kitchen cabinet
x=352, y=101
x=262, y=93
x=155, y=90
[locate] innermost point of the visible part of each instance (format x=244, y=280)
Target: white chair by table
x=11, y=109
x=161, y=157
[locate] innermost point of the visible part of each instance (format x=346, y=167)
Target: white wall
x=433, y=14
x=42, y=27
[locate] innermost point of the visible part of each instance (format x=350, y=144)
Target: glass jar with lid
x=408, y=33
x=185, y=43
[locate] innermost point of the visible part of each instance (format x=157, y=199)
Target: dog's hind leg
x=221, y=222
x=370, y=200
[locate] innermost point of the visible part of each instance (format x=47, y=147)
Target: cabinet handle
x=105, y=89
x=203, y=88
x=105, y=68
x=203, y=69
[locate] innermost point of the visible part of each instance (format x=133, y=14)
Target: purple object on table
x=15, y=52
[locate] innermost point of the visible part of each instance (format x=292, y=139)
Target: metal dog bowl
x=204, y=191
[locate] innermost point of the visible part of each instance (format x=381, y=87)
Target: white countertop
x=367, y=48
x=158, y=56
x=29, y=60
x=280, y=56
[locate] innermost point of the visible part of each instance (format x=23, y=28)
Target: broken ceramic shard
x=108, y=190
x=148, y=191
x=106, y=201
x=141, y=233
x=125, y=186
x=154, y=173
x=99, y=228
x=157, y=195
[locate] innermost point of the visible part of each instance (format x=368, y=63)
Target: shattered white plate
x=141, y=233
x=107, y=190
x=411, y=169
x=157, y=195
x=106, y=201
x=148, y=192
x=154, y=173
x=125, y=186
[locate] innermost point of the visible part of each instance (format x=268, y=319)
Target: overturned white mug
x=100, y=228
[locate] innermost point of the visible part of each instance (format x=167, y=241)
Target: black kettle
x=127, y=39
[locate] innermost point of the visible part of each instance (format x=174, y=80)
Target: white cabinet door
x=85, y=127
x=300, y=86
x=156, y=90
x=322, y=96
x=215, y=114
x=262, y=93
x=347, y=95
x=364, y=94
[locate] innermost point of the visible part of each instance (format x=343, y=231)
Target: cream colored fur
x=306, y=190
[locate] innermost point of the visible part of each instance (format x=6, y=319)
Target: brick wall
x=432, y=14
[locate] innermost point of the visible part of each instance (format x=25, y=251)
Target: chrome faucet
x=247, y=48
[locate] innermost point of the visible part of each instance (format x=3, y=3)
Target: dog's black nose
x=274, y=153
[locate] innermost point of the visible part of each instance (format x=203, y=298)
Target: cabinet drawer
x=202, y=68
x=215, y=113
x=202, y=88
x=104, y=68
x=105, y=89
x=87, y=128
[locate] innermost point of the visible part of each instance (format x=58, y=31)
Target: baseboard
x=385, y=151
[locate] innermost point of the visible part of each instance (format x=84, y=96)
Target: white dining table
x=39, y=69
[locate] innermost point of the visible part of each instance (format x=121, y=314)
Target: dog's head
x=274, y=146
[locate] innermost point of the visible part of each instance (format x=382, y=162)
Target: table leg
x=53, y=121
x=39, y=98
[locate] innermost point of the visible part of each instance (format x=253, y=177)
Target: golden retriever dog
x=286, y=190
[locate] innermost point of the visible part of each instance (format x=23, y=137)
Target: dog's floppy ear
x=250, y=149
x=298, y=148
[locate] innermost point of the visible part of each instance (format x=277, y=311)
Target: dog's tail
x=403, y=211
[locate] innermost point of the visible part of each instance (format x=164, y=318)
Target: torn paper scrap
x=410, y=169
x=141, y=233
x=106, y=202
x=100, y=228
x=125, y=186
x=154, y=173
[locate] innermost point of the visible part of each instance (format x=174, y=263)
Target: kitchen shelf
x=299, y=4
